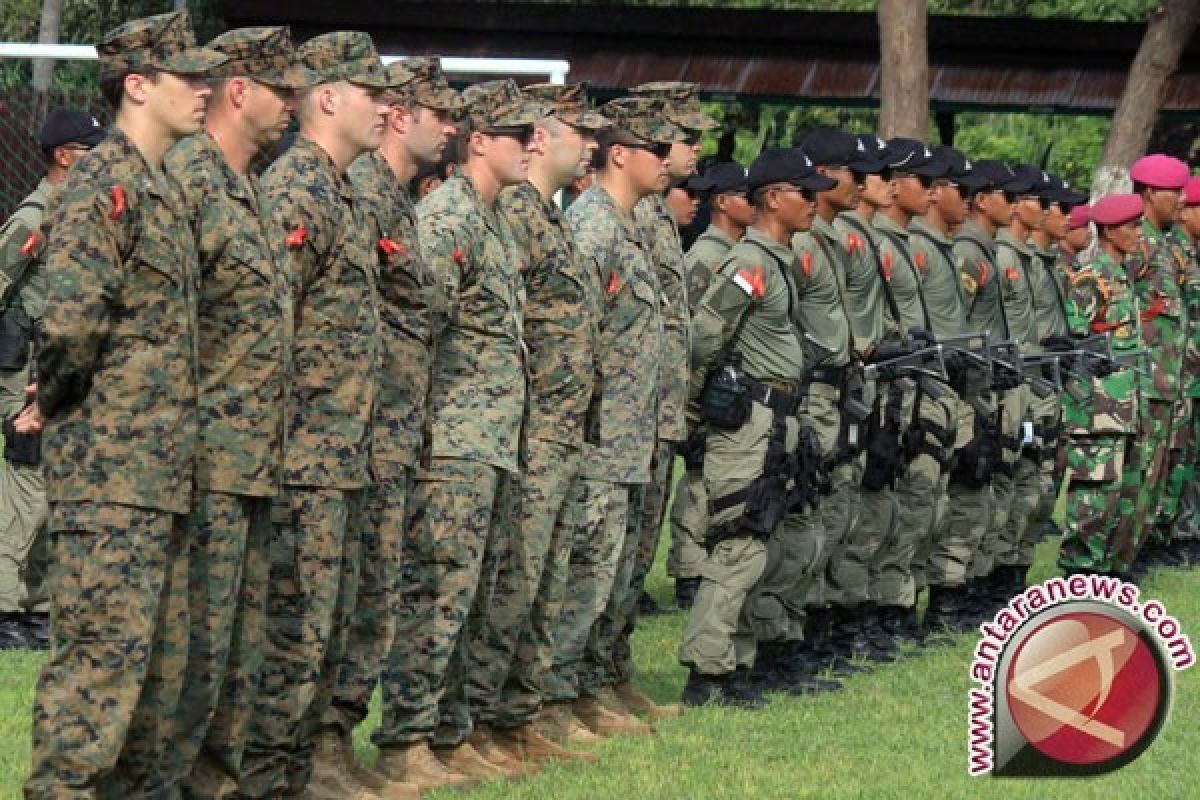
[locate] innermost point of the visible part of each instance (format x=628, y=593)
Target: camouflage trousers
x=1187, y=522
x=1013, y=478
x=1016, y=542
x=966, y=522
x=23, y=512
x=718, y=637
x=512, y=652
x=799, y=550
x=1154, y=435
x=119, y=638
x=689, y=526
x=372, y=628
x=314, y=561
x=227, y=537
x=892, y=578
x=447, y=573
x=597, y=515
x=1103, y=477
x=1180, y=469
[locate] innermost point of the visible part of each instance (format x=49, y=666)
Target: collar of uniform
x=124, y=148
x=820, y=226
x=629, y=227
x=783, y=253
x=713, y=232
x=1038, y=250
x=934, y=233
x=236, y=185
x=1152, y=231
x=1005, y=235
x=971, y=228
x=318, y=154
x=886, y=223
x=534, y=197
x=490, y=218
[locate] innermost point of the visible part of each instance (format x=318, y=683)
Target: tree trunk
x=1169, y=28
x=904, y=67
x=48, y=31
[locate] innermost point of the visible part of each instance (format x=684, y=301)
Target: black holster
x=16, y=334
x=885, y=454
x=24, y=449
x=725, y=398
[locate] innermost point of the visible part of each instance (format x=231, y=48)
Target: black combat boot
x=899, y=623
x=821, y=647
x=851, y=639
x=723, y=690
x=796, y=671
x=879, y=637
x=946, y=610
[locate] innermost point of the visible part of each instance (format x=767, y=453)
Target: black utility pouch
x=24, y=449
x=725, y=400
x=16, y=332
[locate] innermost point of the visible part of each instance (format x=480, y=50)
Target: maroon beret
x=1079, y=217
x=1191, y=192
x=1160, y=172
x=1117, y=209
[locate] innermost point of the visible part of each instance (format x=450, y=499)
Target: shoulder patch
x=806, y=264
x=1011, y=274
x=920, y=260
x=32, y=245
x=887, y=261
x=985, y=272
x=614, y=284
x=969, y=284
x=752, y=282
x=116, y=194
x=296, y=238
x=390, y=247
x=854, y=243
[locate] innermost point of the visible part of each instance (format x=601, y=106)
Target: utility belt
x=982, y=457
x=1047, y=439
x=782, y=397
x=831, y=376
x=16, y=335
x=917, y=438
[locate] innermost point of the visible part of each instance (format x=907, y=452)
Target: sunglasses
x=692, y=139
x=808, y=194
x=523, y=134
x=1041, y=201
x=659, y=150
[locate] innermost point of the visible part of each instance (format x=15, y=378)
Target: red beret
x=1117, y=209
x=1191, y=192
x=1160, y=172
x=1079, y=217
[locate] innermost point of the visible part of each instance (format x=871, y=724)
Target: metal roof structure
x=819, y=57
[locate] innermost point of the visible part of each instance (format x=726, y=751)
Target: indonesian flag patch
x=752, y=282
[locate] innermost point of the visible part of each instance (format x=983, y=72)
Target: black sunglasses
x=1041, y=201
x=692, y=139
x=523, y=134
x=657, y=149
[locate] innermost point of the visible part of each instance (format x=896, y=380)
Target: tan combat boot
x=527, y=745
x=465, y=760
x=558, y=724
x=638, y=703
x=605, y=722
x=484, y=740
x=328, y=780
x=416, y=764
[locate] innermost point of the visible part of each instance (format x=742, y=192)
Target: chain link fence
x=22, y=112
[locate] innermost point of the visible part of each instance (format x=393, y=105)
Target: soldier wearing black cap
x=65, y=136
x=725, y=185
x=748, y=315
x=117, y=385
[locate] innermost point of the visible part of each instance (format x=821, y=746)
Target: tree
x=48, y=32
x=1169, y=28
x=904, y=69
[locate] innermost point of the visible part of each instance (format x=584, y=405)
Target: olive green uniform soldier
x=244, y=342
x=750, y=309
x=731, y=212
x=464, y=485
x=332, y=263
x=418, y=130
x=64, y=137
x=117, y=398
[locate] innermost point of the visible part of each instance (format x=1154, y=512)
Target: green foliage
x=1073, y=143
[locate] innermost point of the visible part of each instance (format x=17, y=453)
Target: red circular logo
x=1084, y=688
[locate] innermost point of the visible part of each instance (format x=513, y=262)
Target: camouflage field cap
x=683, y=104
x=264, y=54
x=569, y=103
x=162, y=42
x=500, y=104
x=430, y=87
x=398, y=78
x=343, y=56
x=644, y=117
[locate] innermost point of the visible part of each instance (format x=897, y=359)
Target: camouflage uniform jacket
x=117, y=356
x=659, y=230
x=333, y=267
x=975, y=258
x=903, y=272
x=818, y=273
x=562, y=310
x=22, y=248
x=1101, y=300
x=1158, y=275
x=702, y=259
x=244, y=329
x=1191, y=298
x=622, y=424
x=1013, y=267
x=866, y=301
x=477, y=390
x=1049, y=291
x=943, y=287
x=409, y=298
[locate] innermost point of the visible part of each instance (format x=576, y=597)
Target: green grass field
x=899, y=732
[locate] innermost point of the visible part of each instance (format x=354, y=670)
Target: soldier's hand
x=31, y=391
x=30, y=420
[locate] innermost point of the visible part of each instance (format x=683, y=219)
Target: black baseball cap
x=915, y=157
x=1040, y=184
x=994, y=175
x=961, y=170
x=1061, y=192
x=726, y=177
x=69, y=126
x=873, y=154
x=787, y=165
x=831, y=147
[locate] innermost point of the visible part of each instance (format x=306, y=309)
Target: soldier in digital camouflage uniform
x=1186, y=530
x=244, y=342
x=1104, y=469
x=621, y=421
x=513, y=651
x=751, y=309
x=64, y=137
x=1158, y=275
x=464, y=486
x=332, y=263
x=418, y=128
x=731, y=213
x=117, y=398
